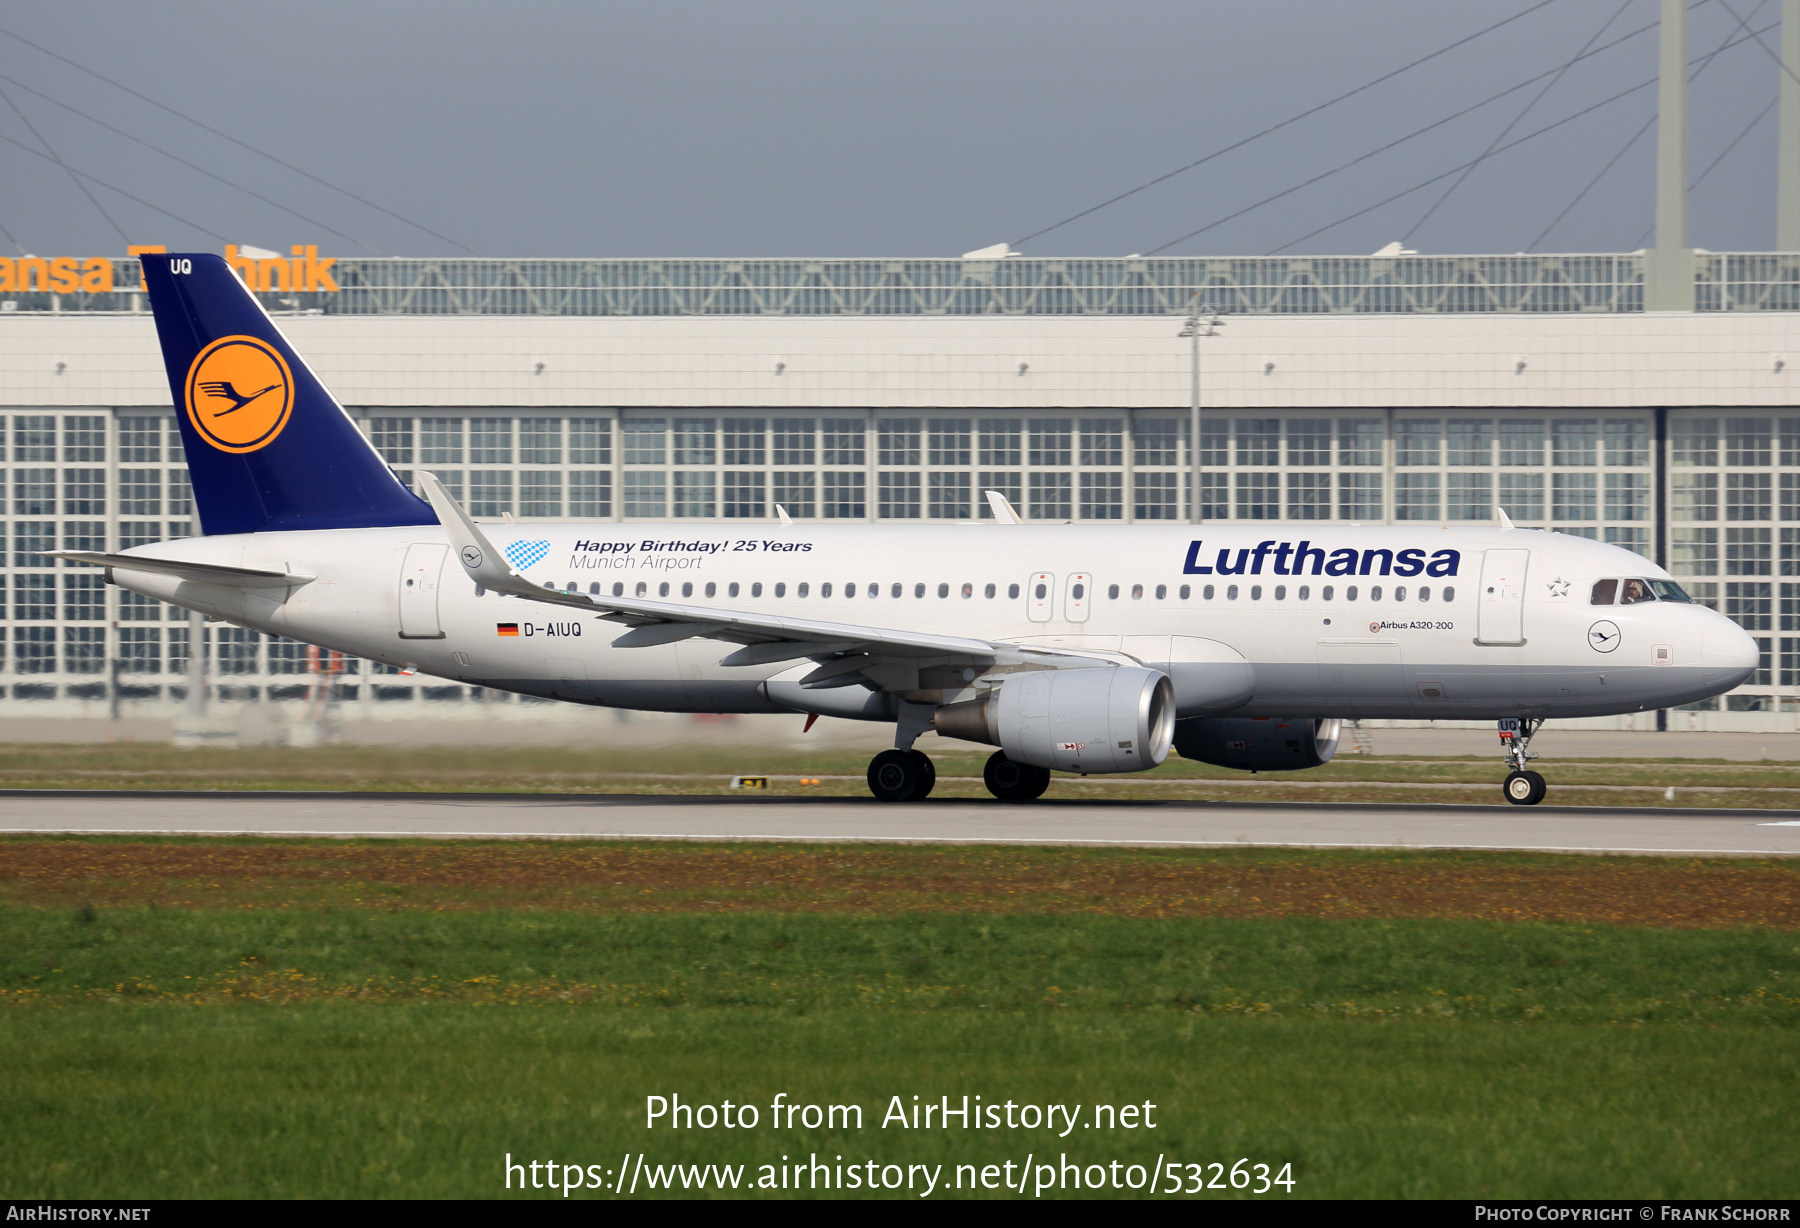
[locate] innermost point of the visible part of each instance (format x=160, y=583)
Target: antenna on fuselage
x=1505, y=520
x=782, y=512
x=1002, y=507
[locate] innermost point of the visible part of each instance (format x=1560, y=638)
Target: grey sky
x=928, y=128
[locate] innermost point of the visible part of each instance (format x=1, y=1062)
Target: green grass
x=172, y=1052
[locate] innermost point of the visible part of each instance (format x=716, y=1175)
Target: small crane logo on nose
x=1603, y=636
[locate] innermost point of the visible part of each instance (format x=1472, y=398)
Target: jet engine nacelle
x=1105, y=719
x=1274, y=744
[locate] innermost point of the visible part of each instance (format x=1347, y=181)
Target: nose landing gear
x=1522, y=786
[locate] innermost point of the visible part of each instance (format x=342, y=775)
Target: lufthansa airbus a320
x=1073, y=648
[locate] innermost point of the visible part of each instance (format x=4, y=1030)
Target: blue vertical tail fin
x=267, y=447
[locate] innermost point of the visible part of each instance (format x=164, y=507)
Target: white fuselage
x=1488, y=623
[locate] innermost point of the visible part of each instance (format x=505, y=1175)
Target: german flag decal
x=507, y=628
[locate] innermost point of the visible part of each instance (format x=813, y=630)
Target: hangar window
x=1112, y=592
x=1012, y=591
x=1231, y=592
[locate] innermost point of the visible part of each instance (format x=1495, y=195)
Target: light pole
x=1201, y=322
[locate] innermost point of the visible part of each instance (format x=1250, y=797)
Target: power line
x=225, y=136
x=54, y=157
x=1516, y=121
x=1502, y=149
x=111, y=188
x=1292, y=119
x=1452, y=117
x=191, y=166
x=1730, y=41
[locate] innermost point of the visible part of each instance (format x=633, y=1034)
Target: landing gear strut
x=902, y=776
x=1014, y=782
x=1522, y=787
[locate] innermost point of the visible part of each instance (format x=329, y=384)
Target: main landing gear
x=1014, y=782
x=902, y=776
x=1522, y=787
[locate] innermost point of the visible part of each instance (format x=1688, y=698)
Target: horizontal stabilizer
x=203, y=573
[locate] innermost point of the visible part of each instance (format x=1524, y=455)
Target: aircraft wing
x=846, y=648
x=204, y=573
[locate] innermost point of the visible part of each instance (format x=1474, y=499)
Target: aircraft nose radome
x=1727, y=646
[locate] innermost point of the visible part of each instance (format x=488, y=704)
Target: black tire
x=894, y=775
x=1013, y=782
x=1524, y=788
x=927, y=776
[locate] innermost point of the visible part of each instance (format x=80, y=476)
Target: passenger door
x=1500, y=603
x=419, y=576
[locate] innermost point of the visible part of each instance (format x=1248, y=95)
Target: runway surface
x=1546, y=828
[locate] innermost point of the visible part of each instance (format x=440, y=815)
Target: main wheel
x=1524, y=788
x=927, y=776
x=895, y=775
x=1014, y=782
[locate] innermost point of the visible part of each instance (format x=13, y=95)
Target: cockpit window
x=1668, y=590
x=1635, y=591
x=1605, y=591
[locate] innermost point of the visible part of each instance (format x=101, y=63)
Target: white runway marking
x=952, y=821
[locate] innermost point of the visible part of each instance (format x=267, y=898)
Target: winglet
x=1003, y=510
x=484, y=564
x=782, y=512
x=1505, y=520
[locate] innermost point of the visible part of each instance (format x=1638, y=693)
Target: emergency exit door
x=419, y=576
x=1500, y=602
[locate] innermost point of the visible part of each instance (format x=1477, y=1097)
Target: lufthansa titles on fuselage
x=1306, y=559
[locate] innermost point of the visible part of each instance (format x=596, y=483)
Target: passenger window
x=1281, y=592
x=1078, y=592
x=642, y=588
x=687, y=590
x=1231, y=592
x=1112, y=592
x=1399, y=592
x=781, y=590
x=918, y=590
x=1604, y=592
x=849, y=590
x=990, y=591
x=1449, y=594
x=1350, y=592
x=1304, y=593
x=662, y=590
x=1137, y=592
x=1375, y=592
x=1636, y=591
x=594, y=590
x=1424, y=593
x=968, y=591
x=802, y=588
x=1256, y=592
x=756, y=589
x=1183, y=592
x=1042, y=592
x=1012, y=591
x=824, y=589
x=1325, y=595
x=711, y=588
x=1162, y=591
x=943, y=591
x=618, y=589
x=733, y=590
x=1207, y=593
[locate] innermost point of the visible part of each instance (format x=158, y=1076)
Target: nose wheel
x=1522, y=787
x=902, y=776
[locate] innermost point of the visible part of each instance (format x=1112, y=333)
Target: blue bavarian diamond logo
x=524, y=554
